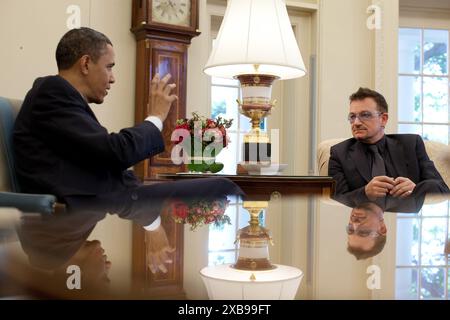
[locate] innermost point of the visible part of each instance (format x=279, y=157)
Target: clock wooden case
x=163, y=31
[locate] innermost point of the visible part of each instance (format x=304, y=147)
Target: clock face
x=175, y=12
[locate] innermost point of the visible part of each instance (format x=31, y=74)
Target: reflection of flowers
x=199, y=212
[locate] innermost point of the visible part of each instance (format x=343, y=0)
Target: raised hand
x=158, y=250
x=161, y=97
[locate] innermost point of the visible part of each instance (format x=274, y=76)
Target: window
x=422, y=268
x=423, y=83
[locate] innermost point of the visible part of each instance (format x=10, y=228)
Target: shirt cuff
x=155, y=225
x=156, y=121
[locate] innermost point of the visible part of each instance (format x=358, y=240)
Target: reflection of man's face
x=364, y=226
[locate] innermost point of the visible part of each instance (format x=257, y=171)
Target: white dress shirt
x=158, y=123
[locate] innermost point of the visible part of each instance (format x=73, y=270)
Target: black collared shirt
x=385, y=154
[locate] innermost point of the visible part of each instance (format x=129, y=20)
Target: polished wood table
x=257, y=186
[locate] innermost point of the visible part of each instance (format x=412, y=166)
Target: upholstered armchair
x=438, y=152
x=10, y=195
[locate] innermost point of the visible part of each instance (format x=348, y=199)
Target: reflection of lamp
x=254, y=241
x=252, y=277
x=256, y=45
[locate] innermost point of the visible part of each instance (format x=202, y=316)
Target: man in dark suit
x=61, y=148
x=372, y=164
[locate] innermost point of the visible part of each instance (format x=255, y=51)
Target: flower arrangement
x=200, y=212
x=207, y=138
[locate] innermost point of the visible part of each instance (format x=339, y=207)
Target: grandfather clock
x=163, y=31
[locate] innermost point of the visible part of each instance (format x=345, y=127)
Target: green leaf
x=215, y=167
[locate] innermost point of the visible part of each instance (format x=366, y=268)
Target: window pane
x=432, y=283
x=245, y=125
x=406, y=284
x=433, y=241
x=241, y=139
x=435, y=99
x=223, y=103
x=410, y=128
x=438, y=209
x=244, y=218
x=435, y=53
x=223, y=237
x=228, y=155
x=436, y=133
x=223, y=81
x=409, y=99
x=216, y=258
x=409, y=50
x=408, y=240
x=448, y=284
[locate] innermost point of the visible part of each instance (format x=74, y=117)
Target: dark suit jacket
x=60, y=147
x=348, y=164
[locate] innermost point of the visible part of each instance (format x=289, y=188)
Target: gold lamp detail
x=254, y=241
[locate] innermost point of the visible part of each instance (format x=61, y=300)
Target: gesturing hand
x=161, y=97
x=378, y=187
x=403, y=187
x=158, y=250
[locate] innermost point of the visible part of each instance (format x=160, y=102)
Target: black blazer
x=61, y=148
x=349, y=167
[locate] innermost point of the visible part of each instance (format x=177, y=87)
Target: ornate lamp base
x=256, y=104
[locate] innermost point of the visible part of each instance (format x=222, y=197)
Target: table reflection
x=399, y=248
x=349, y=249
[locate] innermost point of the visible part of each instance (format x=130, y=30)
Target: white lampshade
x=256, y=32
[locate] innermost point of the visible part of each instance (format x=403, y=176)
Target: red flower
x=224, y=135
x=209, y=219
x=210, y=123
x=206, y=124
x=180, y=209
x=183, y=126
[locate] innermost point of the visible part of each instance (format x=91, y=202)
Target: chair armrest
x=38, y=203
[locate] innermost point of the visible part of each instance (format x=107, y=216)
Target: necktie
x=378, y=168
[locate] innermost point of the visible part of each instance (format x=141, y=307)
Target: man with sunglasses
x=373, y=164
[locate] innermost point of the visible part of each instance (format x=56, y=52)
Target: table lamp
x=256, y=45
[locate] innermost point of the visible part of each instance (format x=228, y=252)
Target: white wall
x=346, y=58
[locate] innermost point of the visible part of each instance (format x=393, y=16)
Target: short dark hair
x=77, y=43
x=363, y=93
x=360, y=254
